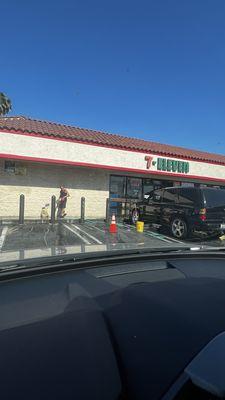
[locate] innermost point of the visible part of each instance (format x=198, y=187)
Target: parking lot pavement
x=215, y=242
x=31, y=236
x=3, y=234
x=28, y=236
x=128, y=234
x=97, y=233
x=39, y=236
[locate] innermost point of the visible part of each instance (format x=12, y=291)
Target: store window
x=162, y=184
x=157, y=184
x=131, y=187
x=117, y=186
x=134, y=188
x=177, y=184
x=148, y=187
x=17, y=168
x=188, y=184
x=10, y=167
x=117, y=191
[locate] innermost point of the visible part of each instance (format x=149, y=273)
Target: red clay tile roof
x=28, y=125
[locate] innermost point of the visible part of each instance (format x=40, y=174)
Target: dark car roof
x=159, y=327
x=181, y=187
x=191, y=188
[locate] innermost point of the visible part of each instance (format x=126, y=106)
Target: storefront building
x=37, y=157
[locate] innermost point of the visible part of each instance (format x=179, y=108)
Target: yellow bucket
x=140, y=226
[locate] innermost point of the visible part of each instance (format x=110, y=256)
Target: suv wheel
x=135, y=216
x=179, y=228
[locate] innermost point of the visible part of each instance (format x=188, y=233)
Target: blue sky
x=148, y=69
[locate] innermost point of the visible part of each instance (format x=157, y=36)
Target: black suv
x=184, y=210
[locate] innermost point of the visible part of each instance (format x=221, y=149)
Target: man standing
x=64, y=194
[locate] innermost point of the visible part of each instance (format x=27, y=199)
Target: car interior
x=118, y=331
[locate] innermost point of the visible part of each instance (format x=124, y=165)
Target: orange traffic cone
x=112, y=226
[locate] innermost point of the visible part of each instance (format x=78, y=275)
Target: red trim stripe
x=171, y=155
x=107, y=167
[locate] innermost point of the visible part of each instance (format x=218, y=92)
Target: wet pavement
x=42, y=236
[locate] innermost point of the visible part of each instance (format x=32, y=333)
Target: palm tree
x=5, y=104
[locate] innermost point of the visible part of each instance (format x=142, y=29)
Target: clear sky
x=148, y=69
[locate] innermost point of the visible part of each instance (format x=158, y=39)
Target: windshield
x=111, y=126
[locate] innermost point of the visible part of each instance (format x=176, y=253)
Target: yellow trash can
x=140, y=226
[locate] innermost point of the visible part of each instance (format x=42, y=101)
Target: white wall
x=42, y=181
x=26, y=146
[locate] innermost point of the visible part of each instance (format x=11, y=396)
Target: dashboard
x=118, y=331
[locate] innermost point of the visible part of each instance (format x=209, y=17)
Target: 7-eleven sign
x=150, y=161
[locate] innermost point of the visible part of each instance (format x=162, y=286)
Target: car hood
x=48, y=252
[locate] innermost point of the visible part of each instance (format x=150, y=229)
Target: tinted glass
x=156, y=196
x=189, y=197
x=161, y=184
x=117, y=186
x=10, y=166
x=214, y=197
x=170, y=196
x=134, y=188
x=147, y=186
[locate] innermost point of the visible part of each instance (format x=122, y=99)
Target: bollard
x=53, y=201
x=82, y=210
x=107, y=211
x=21, y=209
x=21, y=253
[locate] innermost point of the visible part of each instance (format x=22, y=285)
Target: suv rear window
x=189, y=196
x=170, y=195
x=214, y=197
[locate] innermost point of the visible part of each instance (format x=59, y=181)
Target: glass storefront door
x=127, y=190
x=117, y=191
x=134, y=188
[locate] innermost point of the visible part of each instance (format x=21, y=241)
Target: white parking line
x=88, y=235
x=3, y=236
x=93, y=227
x=157, y=236
x=76, y=233
x=174, y=240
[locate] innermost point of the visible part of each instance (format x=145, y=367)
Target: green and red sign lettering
x=165, y=164
x=168, y=165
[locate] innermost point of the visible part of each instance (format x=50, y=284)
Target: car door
x=169, y=205
x=189, y=201
x=152, y=208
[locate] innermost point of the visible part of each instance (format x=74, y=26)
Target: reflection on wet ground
x=62, y=234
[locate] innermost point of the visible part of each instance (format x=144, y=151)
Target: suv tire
x=179, y=228
x=135, y=216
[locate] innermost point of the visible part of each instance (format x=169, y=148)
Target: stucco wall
x=43, y=181
x=26, y=147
